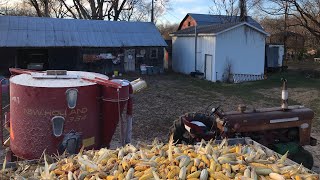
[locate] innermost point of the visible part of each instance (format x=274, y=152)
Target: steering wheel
x=215, y=110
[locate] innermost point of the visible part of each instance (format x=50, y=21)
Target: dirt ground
x=169, y=96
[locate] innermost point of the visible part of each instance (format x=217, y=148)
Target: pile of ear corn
x=205, y=160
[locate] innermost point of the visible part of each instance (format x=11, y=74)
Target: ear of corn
x=172, y=161
x=204, y=174
x=276, y=176
x=183, y=173
x=194, y=175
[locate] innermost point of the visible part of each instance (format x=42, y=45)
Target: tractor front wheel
x=180, y=134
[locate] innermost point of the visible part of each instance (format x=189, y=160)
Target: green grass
x=247, y=92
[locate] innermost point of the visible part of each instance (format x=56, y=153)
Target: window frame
x=156, y=54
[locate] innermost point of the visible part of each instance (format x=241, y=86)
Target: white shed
x=239, y=45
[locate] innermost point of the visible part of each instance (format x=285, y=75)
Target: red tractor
x=285, y=128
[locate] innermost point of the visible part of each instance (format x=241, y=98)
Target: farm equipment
x=60, y=111
x=285, y=128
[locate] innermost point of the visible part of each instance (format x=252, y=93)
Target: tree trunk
x=46, y=8
x=243, y=10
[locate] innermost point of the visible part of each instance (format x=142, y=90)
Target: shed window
x=154, y=53
x=189, y=23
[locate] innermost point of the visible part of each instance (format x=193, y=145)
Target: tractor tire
x=180, y=134
x=71, y=146
x=302, y=156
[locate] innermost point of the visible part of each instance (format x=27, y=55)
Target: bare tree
x=233, y=7
x=166, y=29
x=226, y=7
x=98, y=9
x=243, y=10
x=16, y=9
x=47, y=8
x=141, y=10
x=296, y=13
x=308, y=15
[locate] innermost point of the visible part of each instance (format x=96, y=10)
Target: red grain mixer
x=57, y=111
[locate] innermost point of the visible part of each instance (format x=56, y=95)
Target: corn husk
x=164, y=161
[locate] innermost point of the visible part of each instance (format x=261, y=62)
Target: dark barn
x=70, y=44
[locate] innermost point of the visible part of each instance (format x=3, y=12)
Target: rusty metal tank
x=113, y=104
x=54, y=113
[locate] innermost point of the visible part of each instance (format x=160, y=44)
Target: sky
x=180, y=8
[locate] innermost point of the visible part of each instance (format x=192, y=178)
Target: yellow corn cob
x=211, y=172
x=219, y=175
x=223, y=159
x=253, y=164
x=155, y=175
x=205, y=160
x=286, y=175
x=194, y=175
x=158, y=159
x=175, y=170
x=238, y=149
x=227, y=167
x=196, y=162
x=202, y=165
x=297, y=177
x=192, y=154
x=133, y=162
x=120, y=176
x=193, y=169
x=138, y=174
x=218, y=168
x=141, y=167
x=276, y=176
x=189, y=167
x=213, y=165
x=125, y=165
x=233, y=149
x=111, y=178
x=146, y=176
x=171, y=175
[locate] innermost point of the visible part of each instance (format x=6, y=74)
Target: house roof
x=215, y=29
x=206, y=19
x=18, y=31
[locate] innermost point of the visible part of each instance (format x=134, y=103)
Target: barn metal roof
x=19, y=31
x=215, y=29
x=206, y=19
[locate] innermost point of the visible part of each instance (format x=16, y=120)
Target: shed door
x=129, y=60
x=208, y=67
x=272, y=56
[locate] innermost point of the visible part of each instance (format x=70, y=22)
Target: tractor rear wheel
x=180, y=134
x=302, y=156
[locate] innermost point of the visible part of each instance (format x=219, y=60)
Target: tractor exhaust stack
x=284, y=95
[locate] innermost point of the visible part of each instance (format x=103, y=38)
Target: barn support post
x=16, y=61
x=195, y=48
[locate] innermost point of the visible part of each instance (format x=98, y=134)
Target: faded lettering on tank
x=16, y=99
x=74, y=115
